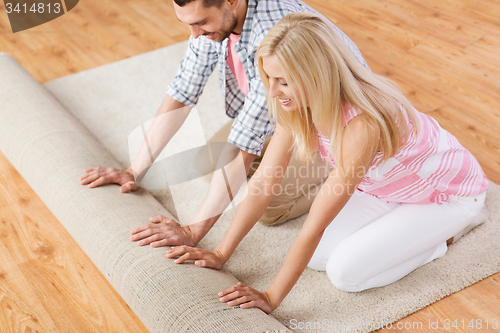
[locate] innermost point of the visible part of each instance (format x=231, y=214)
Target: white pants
x=372, y=243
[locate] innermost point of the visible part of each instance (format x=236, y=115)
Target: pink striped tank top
x=431, y=168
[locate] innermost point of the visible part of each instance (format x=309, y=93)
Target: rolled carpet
x=50, y=148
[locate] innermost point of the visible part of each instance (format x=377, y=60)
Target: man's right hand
x=99, y=176
x=163, y=232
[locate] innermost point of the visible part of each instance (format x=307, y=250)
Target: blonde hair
x=324, y=74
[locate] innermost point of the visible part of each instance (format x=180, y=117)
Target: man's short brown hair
x=206, y=3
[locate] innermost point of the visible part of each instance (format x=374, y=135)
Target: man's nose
x=196, y=31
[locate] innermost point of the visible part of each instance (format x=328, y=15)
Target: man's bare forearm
x=169, y=118
x=224, y=186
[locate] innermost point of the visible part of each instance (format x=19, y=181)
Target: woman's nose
x=273, y=89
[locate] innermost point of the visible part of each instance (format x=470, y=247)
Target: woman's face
x=278, y=87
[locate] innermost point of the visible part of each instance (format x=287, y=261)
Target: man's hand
x=99, y=176
x=208, y=259
x=162, y=232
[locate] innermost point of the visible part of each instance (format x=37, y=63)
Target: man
x=227, y=32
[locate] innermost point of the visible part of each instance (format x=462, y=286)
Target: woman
x=402, y=188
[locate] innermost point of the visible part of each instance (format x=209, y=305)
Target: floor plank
x=47, y=282
x=26, y=228
x=66, y=284
x=20, y=308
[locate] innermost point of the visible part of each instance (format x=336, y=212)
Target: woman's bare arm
x=358, y=154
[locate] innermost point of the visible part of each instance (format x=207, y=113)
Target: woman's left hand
x=246, y=297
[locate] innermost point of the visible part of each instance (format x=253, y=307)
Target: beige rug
x=112, y=100
x=50, y=149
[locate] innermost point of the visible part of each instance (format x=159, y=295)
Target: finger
x=205, y=263
x=232, y=289
x=177, y=251
x=251, y=304
x=234, y=295
x=84, y=176
x=139, y=229
x=88, y=178
x=144, y=234
x=201, y=263
x=99, y=181
x=129, y=186
x=184, y=257
x=162, y=242
x=185, y=253
x=156, y=219
x=163, y=219
x=96, y=171
x=226, y=291
x=149, y=240
x=241, y=300
x=89, y=170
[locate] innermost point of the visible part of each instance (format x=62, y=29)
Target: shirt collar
x=247, y=26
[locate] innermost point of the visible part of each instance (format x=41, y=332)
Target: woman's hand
x=246, y=297
x=210, y=259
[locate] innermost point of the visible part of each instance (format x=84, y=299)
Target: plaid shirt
x=251, y=119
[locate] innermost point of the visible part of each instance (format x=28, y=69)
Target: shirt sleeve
x=194, y=70
x=252, y=124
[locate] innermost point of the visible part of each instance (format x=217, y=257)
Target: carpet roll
x=50, y=149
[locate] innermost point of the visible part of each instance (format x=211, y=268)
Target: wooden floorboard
x=47, y=282
x=444, y=55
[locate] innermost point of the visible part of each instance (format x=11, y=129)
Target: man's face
x=214, y=23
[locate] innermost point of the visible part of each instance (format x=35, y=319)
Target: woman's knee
x=317, y=262
x=345, y=272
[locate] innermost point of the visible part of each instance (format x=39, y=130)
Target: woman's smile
x=285, y=102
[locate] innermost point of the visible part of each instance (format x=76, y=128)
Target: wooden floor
x=444, y=54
